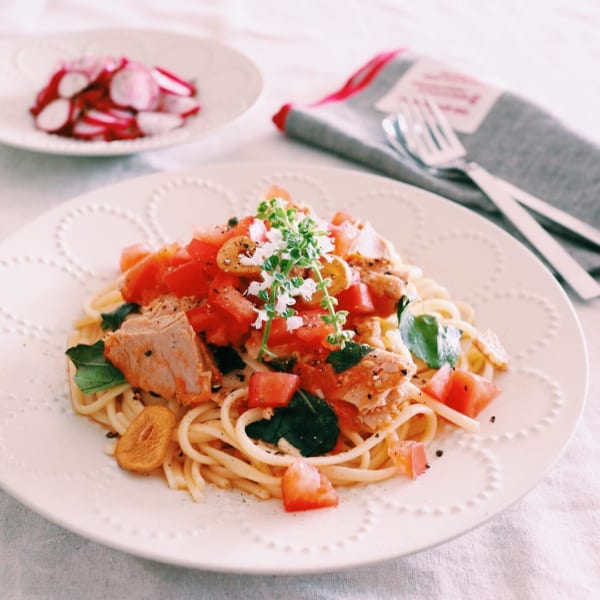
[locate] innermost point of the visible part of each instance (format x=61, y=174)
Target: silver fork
x=430, y=138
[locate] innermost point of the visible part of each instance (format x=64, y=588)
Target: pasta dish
x=278, y=354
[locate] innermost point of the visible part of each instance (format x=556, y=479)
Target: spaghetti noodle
x=212, y=441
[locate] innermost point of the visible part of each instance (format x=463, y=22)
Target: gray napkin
x=518, y=141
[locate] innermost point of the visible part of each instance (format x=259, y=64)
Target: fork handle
x=558, y=216
x=564, y=264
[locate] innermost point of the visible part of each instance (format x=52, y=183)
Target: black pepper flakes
x=148, y=353
x=112, y=435
x=439, y=453
x=492, y=419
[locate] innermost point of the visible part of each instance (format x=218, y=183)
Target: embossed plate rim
x=253, y=542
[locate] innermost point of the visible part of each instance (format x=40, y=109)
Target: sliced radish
x=126, y=116
x=134, y=86
x=98, y=117
x=183, y=106
x=47, y=94
x=106, y=98
x=72, y=83
x=55, y=115
x=171, y=83
x=156, y=123
x=85, y=130
x=92, y=66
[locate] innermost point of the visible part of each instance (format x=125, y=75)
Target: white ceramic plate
x=228, y=84
x=53, y=461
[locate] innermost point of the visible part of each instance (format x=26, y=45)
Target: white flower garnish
x=294, y=323
x=261, y=317
x=283, y=301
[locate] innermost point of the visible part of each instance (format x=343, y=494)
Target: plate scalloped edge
x=477, y=477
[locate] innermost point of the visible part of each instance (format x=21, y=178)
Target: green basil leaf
x=308, y=423
x=427, y=338
x=94, y=372
x=113, y=320
x=227, y=359
x=283, y=364
x=348, y=356
x=402, y=304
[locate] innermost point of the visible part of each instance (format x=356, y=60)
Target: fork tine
x=442, y=122
x=437, y=134
x=421, y=135
x=391, y=128
x=407, y=131
x=427, y=124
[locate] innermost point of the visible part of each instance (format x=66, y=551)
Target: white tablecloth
x=546, y=545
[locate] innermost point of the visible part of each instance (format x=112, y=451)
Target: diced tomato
x=461, y=390
x=409, y=456
x=279, y=334
x=234, y=304
x=130, y=255
x=213, y=235
x=203, y=252
x=222, y=280
x=339, y=447
x=303, y=487
x=384, y=305
x=357, y=300
x=276, y=191
x=318, y=378
x=314, y=332
x=438, y=386
x=212, y=322
x=347, y=414
x=307, y=338
x=180, y=257
x=470, y=393
x=203, y=317
x=341, y=217
x=188, y=279
x=217, y=235
x=145, y=280
x=271, y=389
x=344, y=237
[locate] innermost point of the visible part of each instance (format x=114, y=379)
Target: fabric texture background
x=517, y=141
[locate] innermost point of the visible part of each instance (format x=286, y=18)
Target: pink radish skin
x=157, y=123
x=171, y=83
x=72, y=83
x=134, y=86
x=55, y=115
x=125, y=116
x=179, y=105
x=92, y=66
x=105, y=98
x=84, y=130
x=97, y=117
x=47, y=94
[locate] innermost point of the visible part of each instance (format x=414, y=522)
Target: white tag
x=464, y=100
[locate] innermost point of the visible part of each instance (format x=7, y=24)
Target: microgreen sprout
x=296, y=243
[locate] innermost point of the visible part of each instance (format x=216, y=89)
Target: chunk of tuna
x=164, y=355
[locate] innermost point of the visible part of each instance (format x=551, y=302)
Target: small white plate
x=228, y=82
x=53, y=460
